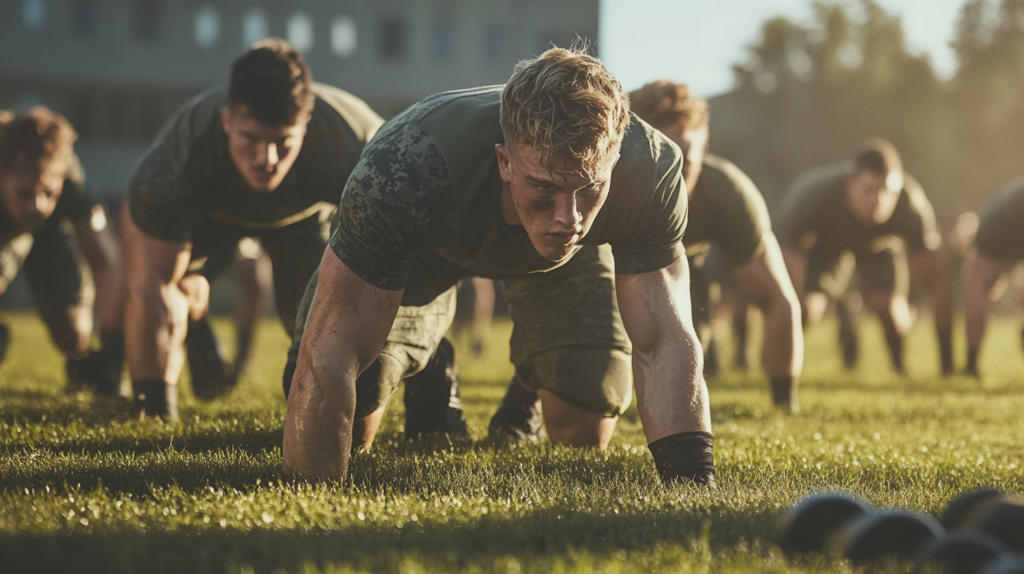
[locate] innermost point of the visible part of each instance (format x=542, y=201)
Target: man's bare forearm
x=672, y=397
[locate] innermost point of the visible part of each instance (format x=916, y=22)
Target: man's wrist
x=685, y=457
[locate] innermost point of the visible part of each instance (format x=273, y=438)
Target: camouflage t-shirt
x=726, y=208
x=188, y=172
x=816, y=206
x=1001, y=225
x=428, y=183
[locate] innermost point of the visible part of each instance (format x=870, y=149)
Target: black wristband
x=685, y=457
x=289, y=374
x=946, y=350
x=784, y=393
x=155, y=398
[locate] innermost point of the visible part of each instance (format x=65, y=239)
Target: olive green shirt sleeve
x=915, y=218
x=645, y=217
x=399, y=202
x=160, y=192
x=76, y=202
x=801, y=209
x=738, y=216
x=1001, y=226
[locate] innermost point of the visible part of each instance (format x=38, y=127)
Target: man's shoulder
x=334, y=103
x=721, y=174
x=455, y=116
x=822, y=179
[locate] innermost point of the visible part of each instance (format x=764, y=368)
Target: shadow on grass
x=536, y=536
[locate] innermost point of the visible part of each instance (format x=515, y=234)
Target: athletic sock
x=896, y=352
x=685, y=457
x=155, y=398
x=972, y=362
x=5, y=340
x=848, y=340
x=946, y=350
x=113, y=363
x=784, y=393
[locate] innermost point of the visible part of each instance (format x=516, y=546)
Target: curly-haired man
x=42, y=188
x=551, y=185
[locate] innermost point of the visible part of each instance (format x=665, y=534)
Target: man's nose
x=566, y=210
x=267, y=154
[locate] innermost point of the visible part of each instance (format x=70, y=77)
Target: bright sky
x=698, y=41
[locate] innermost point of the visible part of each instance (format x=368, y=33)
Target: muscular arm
x=347, y=326
x=765, y=281
x=101, y=252
x=156, y=312
x=981, y=286
x=667, y=360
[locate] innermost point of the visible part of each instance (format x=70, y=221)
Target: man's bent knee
x=574, y=425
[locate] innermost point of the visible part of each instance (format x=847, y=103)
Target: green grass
x=85, y=489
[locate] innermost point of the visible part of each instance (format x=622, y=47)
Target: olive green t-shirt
x=428, y=183
x=726, y=208
x=816, y=204
x=189, y=173
x=1001, y=225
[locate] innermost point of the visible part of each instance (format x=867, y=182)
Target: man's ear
x=504, y=162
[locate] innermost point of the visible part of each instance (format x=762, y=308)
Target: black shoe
x=518, y=418
x=95, y=372
x=212, y=376
x=155, y=399
x=432, y=403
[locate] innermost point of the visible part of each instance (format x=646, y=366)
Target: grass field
x=83, y=489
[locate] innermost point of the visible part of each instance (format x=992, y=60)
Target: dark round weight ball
x=1004, y=566
x=962, y=553
x=960, y=507
x=886, y=534
x=808, y=526
x=1002, y=518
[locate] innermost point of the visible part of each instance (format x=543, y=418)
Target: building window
x=495, y=44
x=300, y=31
x=33, y=14
x=442, y=41
x=207, y=29
x=83, y=18
x=255, y=26
x=344, y=37
x=147, y=21
x=392, y=38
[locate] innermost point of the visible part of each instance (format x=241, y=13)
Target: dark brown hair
x=37, y=140
x=665, y=104
x=273, y=81
x=879, y=156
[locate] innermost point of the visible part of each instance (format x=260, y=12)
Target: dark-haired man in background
x=871, y=216
x=42, y=187
x=265, y=157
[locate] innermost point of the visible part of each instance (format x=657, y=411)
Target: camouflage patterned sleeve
x=1000, y=233
x=654, y=235
x=917, y=219
x=160, y=198
x=399, y=202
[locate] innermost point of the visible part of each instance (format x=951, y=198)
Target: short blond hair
x=36, y=141
x=567, y=106
x=665, y=104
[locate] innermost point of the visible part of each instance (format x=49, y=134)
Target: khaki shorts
x=567, y=336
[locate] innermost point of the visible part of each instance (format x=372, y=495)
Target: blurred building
x=118, y=69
